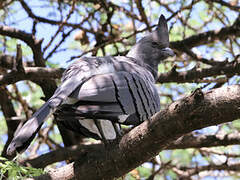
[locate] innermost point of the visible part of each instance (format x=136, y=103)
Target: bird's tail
x=24, y=136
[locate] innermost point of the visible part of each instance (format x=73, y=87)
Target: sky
x=45, y=31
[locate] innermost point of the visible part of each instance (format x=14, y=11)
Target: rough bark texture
x=190, y=140
x=146, y=140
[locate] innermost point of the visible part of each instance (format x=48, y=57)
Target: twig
x=61, y=26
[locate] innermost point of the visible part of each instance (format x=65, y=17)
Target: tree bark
x=146, y=140
x=190, y=140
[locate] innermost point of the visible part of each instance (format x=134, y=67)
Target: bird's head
x=154, y=47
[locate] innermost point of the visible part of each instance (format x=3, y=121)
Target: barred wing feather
x=120, y=97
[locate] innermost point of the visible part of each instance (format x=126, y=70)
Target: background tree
x=39, y=38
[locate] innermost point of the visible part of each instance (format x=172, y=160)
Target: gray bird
x=97, y=94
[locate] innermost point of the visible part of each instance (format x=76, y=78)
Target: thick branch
x=31, y=73
x=146, y=140
x=187, y=141
x=29, y=39
x=66, y=153
x=18, y=34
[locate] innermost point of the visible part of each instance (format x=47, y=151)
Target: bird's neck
x=144, y=59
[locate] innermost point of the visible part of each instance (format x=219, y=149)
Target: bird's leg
x=117, y=128
x=97, y=123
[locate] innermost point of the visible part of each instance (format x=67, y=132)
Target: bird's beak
x=169, y=51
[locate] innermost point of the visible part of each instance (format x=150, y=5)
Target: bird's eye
x=155, y=44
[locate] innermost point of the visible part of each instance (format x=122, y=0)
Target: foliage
x=15, y=171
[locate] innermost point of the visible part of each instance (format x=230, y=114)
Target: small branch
x=198, y=141
x=64, y=36
x=124, y=10
x=22, y=101
x=195, y=75
x=110, y=41
x=186, y=172
x=208, y=37
x=142, y=13
x=223, y=3
x=60, y=27
x=19, y=63
x=4, y=4
x=201, y=59
x=53, y=22
x=8, y=112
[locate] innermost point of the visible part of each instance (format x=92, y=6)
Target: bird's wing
x=77, y=73
x=122, y=97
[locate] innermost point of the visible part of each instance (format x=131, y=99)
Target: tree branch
x=29, y=39
x=199, y=141
x=66, y=153
x=31, y=73
x=223, y=3
x=6, y=61
x=195, y=75
x=49, y=21
x=207, y=37
x=8, y=112
x=186, y=172
x=184, y=142
x=146, y=140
